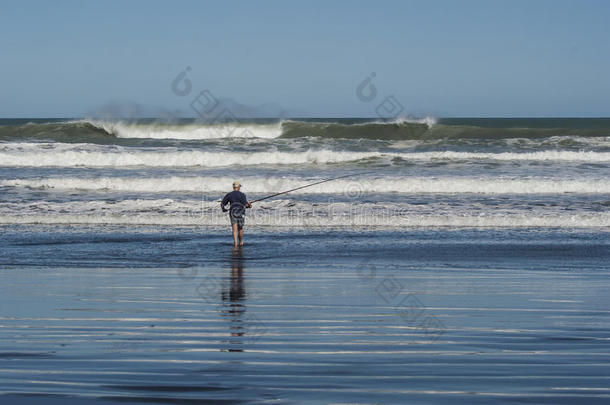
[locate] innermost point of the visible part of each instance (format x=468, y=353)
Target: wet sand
x=176, y=316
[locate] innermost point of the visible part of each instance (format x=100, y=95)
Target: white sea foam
x=516, y=221
x=282, y=213
x=429, y=121
x=193, y=131
x=88, y=155
x=355, y=186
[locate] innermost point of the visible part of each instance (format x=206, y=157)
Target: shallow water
x=174, y=315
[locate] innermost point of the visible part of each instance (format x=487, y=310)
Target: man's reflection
x=233, y=295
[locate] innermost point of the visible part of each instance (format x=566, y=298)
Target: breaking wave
x=190, y=132
x=85, y=155
x=107, y=132
x=357, y=186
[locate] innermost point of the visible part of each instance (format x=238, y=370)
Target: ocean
x=455, y=260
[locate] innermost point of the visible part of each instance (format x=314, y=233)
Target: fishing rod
x=309, y=185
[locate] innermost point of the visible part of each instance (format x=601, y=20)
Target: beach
x=419, y=316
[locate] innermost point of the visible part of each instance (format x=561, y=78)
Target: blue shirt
x=238, y=202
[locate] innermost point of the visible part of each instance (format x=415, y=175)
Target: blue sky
x=438, y=58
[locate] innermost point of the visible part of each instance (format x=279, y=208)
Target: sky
x=534, y=58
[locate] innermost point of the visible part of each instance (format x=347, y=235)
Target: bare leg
x=235, y=235
x=241, y=236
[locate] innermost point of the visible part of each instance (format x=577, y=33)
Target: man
x=237, y=212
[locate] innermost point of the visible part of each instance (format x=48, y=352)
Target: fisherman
x=237, y=212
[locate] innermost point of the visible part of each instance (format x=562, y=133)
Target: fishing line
x=309, y=185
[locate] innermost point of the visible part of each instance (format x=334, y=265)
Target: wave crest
x=188, y=132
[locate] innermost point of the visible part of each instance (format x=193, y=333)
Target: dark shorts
x=237, y=220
